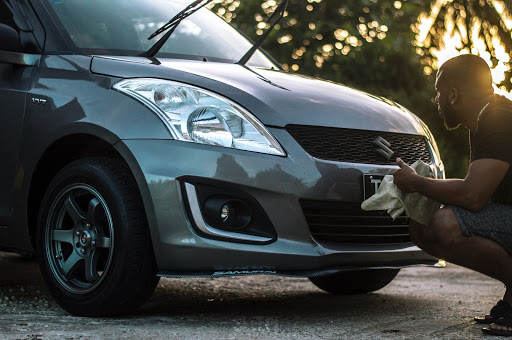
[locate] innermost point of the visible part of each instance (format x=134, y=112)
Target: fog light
x=224, y=214
x=227, y=213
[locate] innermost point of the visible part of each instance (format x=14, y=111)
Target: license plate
x=370, y=184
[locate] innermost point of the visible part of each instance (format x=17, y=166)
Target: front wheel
x=355, y=282
x=93, y=240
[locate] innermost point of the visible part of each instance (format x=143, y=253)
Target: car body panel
x=83, y=105
x=14, y=82
x=277, y=183
x=275, y=97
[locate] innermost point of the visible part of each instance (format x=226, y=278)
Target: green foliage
x=370, y=45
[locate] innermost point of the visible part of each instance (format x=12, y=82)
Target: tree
x=466, y=26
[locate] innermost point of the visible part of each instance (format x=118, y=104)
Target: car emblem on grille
x=383, y=148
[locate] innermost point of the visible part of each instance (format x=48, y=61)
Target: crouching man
x=474, y=228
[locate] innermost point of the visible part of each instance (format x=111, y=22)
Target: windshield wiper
x=278, y=12
x=171, y=26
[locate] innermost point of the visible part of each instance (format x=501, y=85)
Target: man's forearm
x=472, y=193
x=447, y=191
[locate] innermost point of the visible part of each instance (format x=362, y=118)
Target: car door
x=17, y=64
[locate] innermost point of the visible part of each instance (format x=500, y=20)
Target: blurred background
x=391, y=48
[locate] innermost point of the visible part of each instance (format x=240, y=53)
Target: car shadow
x=16, y=270
x=271, y=297
x=252, y=298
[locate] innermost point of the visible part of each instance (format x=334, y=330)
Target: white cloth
x=388, y=197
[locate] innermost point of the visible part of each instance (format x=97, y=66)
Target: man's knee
x=445, y=228
x=419, y=234
x=442, y=233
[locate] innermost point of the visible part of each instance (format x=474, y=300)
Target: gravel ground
x=421, y=303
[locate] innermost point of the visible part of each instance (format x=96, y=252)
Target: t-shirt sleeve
x=494, y=136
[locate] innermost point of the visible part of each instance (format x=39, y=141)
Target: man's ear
x=454, y=95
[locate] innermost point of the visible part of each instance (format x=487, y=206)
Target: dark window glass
x=13, y=16
x=9, y=38
x=6, y=16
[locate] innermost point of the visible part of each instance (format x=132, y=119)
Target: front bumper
x=277, y=184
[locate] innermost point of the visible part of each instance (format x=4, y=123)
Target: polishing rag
x=390, y=198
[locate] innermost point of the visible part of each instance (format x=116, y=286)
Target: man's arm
x=472, y=193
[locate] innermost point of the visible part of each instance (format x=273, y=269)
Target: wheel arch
x=68, y=149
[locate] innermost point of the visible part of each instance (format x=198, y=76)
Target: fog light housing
x=227, y=213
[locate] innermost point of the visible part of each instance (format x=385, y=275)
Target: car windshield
x=120, y=27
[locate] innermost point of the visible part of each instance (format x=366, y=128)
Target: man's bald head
x=464, y=86
x=468, y=73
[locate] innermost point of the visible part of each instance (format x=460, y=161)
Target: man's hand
x=405, y=178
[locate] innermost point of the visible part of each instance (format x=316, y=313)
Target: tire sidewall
x=95, y=176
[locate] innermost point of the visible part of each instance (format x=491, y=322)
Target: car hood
x=277, y=98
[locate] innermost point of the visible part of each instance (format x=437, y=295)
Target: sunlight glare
x=452, y=43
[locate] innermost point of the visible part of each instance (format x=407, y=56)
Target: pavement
x=421, y=303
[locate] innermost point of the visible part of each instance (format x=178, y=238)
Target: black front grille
x=346, y=223
x=355, y=146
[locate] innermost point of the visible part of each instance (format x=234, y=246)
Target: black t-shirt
x=493, y=139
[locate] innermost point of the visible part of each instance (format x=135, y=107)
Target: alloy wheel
x=79, y=238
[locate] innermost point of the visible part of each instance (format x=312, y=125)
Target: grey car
x=119, y=167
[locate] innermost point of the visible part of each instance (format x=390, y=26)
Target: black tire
x=93, y=240
x=355, y=282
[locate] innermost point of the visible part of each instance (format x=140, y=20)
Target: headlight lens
x=196, y=115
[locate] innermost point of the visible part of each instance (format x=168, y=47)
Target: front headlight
x=196, y=115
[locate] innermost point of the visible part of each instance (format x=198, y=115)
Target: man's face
x=445, y=108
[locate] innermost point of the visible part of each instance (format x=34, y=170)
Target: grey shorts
x=493, y=222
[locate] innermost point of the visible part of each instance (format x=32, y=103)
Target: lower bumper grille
x=346, y=223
